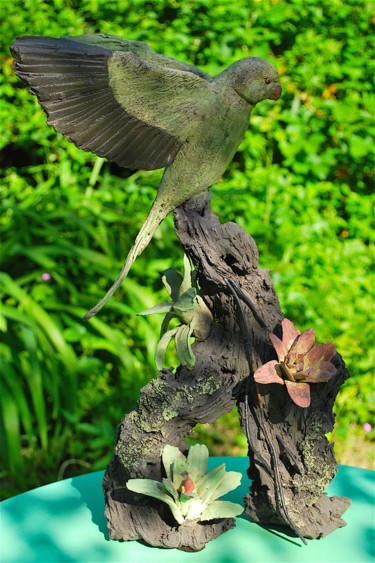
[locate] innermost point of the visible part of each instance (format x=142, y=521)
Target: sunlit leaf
x=230, y=481
x=186, y=282
x=290, y=333
x=267, y=374
x=210, y=482
x=172, y=281
x=221, y=509
x=280, y=347
x=156, y=490
x=183, y=348
x=299, y=393
x=186, y=301
x=162, y=347
x=164, y=307
x=170, y=455
x=197, y=461
x=168, y=486
x=179, y=472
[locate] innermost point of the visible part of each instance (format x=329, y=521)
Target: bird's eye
x=268, y=80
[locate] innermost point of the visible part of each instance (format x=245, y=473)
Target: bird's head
x=253, y=79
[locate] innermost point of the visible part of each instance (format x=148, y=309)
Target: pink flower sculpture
x=299, y=363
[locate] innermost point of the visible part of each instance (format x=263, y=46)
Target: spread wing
x=139, y=48
x=114, y=104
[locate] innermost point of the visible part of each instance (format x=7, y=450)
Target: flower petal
x=281, y=349
x=267, y=374
x=303, y=343
x=299, y=393
x=298, y=362
x=317, y=374
x=327, y=369
x=290, y=333
x=318, y=353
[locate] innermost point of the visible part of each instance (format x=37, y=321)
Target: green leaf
x=179, y=472
x=193, y=508
x=231, y=480
x=197, y=461
x=172, y=281
x=11, y=381
x=168, y=486
x=11, y=424
x=3, y=323
x=183, y=348
x=162, y=347
x=221, y=509
x=202, y=319
x=186, y=301
x=186, y=282
x=35, y=311
x=170, y=455
x=166, y=321
x=96, y=170
x=35, y=384
x=156, y=490
x=207, y=485
x=164, y=307
x=148, y=487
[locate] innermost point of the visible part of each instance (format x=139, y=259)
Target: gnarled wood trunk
x=170, y=406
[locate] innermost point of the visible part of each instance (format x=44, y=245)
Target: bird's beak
x=276, y=94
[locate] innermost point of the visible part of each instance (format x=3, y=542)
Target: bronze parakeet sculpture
x=141, y=110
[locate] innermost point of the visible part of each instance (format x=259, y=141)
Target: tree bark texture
x=169, y=407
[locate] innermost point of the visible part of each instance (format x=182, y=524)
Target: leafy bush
x=300, y=183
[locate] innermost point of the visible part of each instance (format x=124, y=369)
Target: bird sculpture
x=123, y=101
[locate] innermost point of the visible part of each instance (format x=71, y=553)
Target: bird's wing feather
x=75, y=85
x=172, y=99
x=139, y=48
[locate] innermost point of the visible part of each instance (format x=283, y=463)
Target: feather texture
x=71, y=82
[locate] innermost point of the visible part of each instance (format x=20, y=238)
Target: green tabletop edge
x=65, y=521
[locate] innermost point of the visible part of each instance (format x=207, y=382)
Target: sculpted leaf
x=197, y=461
x=299, y=363
x=162, y=347
x=189, y=490
x=164, y=307
x=221, y=509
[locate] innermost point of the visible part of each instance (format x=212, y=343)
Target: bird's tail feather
x=154, y=218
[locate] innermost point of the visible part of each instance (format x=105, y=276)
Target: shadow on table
x=34, y=514
x=90, y=489
x=353, y=482
x=359, y=485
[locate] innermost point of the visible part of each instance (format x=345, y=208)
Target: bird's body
x=125, y=102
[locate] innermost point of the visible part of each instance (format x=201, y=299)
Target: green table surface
x=65, y=521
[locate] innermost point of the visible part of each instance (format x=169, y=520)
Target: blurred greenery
x=300, y=183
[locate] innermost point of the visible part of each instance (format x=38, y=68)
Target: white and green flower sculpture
x=190, y=492
x=187, y=306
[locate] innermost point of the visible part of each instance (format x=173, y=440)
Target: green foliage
x=300, y=184
x=186, y=306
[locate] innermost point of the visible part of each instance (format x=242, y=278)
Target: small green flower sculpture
x=190, y=492
x=186, y=306
x=299, y=363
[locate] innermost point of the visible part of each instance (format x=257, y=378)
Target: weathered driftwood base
x=307, y=470
x=167, y=411
x=151, y=523
x=170, y=406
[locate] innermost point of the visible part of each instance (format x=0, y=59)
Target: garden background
x=300, y=183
